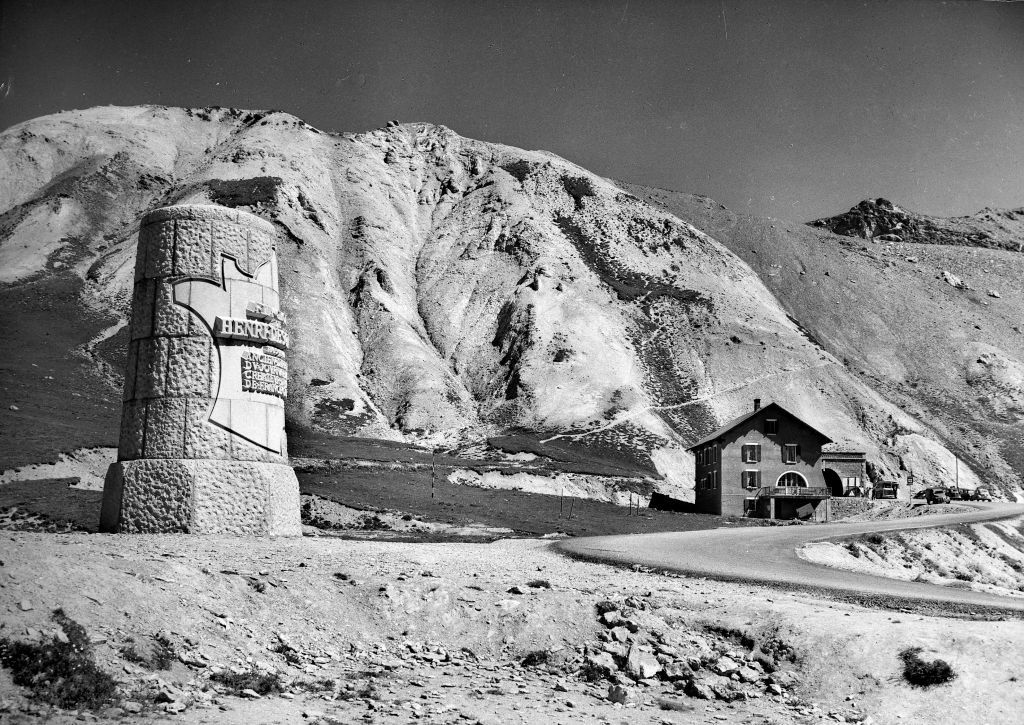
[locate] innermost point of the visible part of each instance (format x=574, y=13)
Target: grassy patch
x=409, y=491
x=921, y=673
x=60, y=672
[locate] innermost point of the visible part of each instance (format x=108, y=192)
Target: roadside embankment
x=986, y=557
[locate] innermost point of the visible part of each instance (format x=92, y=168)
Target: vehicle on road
x=933, y=494
x=981, y=493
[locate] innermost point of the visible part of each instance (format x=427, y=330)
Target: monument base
x=201, y=496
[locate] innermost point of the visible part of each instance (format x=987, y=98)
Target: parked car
x=959, y=494
x=981, y=493
x=885, y=489
x=933, y=494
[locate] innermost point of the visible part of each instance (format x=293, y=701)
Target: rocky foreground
x=329, y=631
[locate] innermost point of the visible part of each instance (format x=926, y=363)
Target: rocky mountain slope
x=495, y=301
x=934, y=328
x=882, y=220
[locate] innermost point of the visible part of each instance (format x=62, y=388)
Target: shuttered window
x=751, y=453
x=790, y=453
x=771, y=426
x=751, y=479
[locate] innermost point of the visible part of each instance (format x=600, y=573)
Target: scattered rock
x=700, y=689
x=994, y=293
x=953, y=281
x=748, y=674
x=25, y=605
x=641, y=665
x=620, y=634
x=621, y=694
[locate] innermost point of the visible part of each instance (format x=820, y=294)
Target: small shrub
x=323, y=685
x=263, y=683
x=578, y=187
x=875, y=539
x=57, y=672
x=518, y=169
x=536, y=658
x=591, y=672
x=920, y=673
x=605, y=606
x=539, y=584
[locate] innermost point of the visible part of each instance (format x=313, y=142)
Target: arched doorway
x=791, y=478
x=833, y=482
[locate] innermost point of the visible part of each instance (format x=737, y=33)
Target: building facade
x=769, y=463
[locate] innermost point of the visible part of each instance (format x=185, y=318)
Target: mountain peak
x=881, y=220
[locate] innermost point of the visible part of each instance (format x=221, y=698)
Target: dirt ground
x=369, y=631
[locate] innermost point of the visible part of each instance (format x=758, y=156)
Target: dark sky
x=796, y=108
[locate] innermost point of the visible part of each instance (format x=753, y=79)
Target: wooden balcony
x=792, y=492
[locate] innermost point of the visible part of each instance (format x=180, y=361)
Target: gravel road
x=767, y=555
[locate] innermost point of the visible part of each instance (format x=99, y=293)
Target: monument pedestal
x=201, y=496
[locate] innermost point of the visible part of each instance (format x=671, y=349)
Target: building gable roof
x=747, y=416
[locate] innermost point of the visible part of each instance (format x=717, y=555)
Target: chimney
x=757, y=404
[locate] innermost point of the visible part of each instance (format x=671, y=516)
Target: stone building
x=770, y=463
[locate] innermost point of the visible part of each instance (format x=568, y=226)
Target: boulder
x=725, y=666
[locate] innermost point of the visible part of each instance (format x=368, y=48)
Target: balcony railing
x=793, y=492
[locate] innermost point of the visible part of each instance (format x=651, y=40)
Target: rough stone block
x=165, y=428
x=142, y=309
x=156, y=496
x=230, y=498
x=193, y=249
x=187, y=365
x=261, y=245
x=231, y=239
x=169, y=318
x=202, y=438
x=151, y=368
x=243, y=450
x=133, y=430
x=160, y=250
x=141, y=248
x=283, y=516
x=130, y=371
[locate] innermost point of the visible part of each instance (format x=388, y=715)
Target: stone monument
x=202, y=444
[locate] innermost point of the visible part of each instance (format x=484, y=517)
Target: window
x=791, y=478
x=714, y=453
x=750, y=479
x=751, y=453
x=714, y=480
x=771, y=426
x=790, y=452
